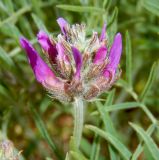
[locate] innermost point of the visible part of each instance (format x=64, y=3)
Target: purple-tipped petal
x=61, y=53
x=103, y=33
x=44, y=41
x=78, y=61
x=108, y=73
x=47, y=46
x=41, y=69
x=62, y=23
x=60, y=50
x=115, y=54
x=100, y=55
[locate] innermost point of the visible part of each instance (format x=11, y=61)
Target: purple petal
x=103, y=33
x=47, y=46
x=108, y=73
x=61, y=53
x=78, y=61
x=62, y=23
x=41, y=69
x=100, y=55
x=115, y=54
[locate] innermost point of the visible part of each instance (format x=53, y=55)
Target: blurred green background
x=26, y=110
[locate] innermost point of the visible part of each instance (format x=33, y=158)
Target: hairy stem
x=78, y=120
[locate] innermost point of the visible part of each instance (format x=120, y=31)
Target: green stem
x=78, y=120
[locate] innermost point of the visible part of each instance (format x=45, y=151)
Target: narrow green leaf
x=9, y=5
x=39, y=23
x=122, y=83
x=113, y=17
x=112, y=25
x=120, y=106
x=5, y=60
x=152, y=147
x=106, y=4
x=45, y=102
x=147, y=153
x=6, y=95
x=36, y=7
x=48, y=158
x=153, y=28
x=23, y=2
x=106, y=118
x=3, y=8
x=41, y=126
x=109, y=127
x=85, y=147
x=4, y=92
x=148, y=113
x=80, y=8
x=95, y=148
x=121, y=148
x=152, y=6
x=77, y=156
x=26, y=27
x=128, y=51
x=11, y=30
x=110, y=98
x=150, y=81
x=130, y=22
x=67, y=156
x=140, y=147
x=15, y=15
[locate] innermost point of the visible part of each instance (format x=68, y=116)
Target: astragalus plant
x=80, y=68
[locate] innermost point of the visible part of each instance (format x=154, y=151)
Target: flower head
x=78, y=66
x=7, y=151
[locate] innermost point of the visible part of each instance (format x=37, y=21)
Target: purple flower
x=76, y=69
x=63, y=24
x=103, y=33
x=114, y=56
x=78, y=61
x=47, y=46
x=100, y=55
x=41, y=69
